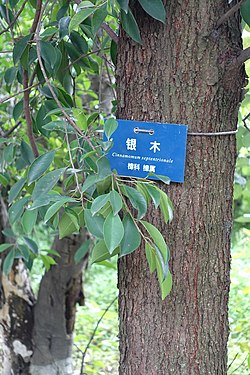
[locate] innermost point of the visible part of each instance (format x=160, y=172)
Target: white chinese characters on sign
x=148, y=168
x=155, y=146
x=131, y=144
x=133, y=167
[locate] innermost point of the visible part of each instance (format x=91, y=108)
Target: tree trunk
x=185, y=73
x=37, y=334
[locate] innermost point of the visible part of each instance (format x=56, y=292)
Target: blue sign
x=141, y=148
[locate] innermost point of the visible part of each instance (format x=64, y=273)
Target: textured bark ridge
x=183, y=73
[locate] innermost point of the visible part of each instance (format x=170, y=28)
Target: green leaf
x=82, y=251
x=16, y=210
x=48, y=261
x=26, y=152
x=68, y=224
x=166, y=207
x=99, y=203
x=113, y=231
x=132, y=238
x=115, y=201
x=79, y=42
x=8, y=153
x=164, y=179
x=8, y=262
x=3, y=180
x=89, y=182
x=161, y=265
x=46, y=183
x=154, y=193
x=166, y=286
x=103, y=168
x=99, y=252
x=94, y=224
x=150, y=255
x=154, y=8
x=16, y=189
x=29, y=220
x=110, y=127
x=59, y=125
x=19, y=48
x=44, y=200
x=5, y=246
x=31, y=244
x=63, y=26
x=137, y=200
x=245, y=11
x=39, y=166
x=129, y=24
x=124, y=5
x=48, y=53
x=56, y=207
x=99, y=17
x=79, y=17
x=18, y=110
x=10, y=75
x=157, y=239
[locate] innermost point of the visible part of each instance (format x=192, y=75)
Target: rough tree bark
x=184, y=72
x=37, y=333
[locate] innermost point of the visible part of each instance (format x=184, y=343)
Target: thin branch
x=237, y=368
x=82, y=56
x=229, y=14
x=27, y=114
x=9, y=132
x=14, y=20
x=93, y=334
x=244, y=120
x=243, y=56
x=7, y=98
x=236, y=355
x=37, y=16
x=8, y=20
x=110, y=32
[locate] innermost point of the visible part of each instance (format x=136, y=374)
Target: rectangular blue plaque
x=141, y=148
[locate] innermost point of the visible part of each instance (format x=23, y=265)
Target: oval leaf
x=113, y=231
x=46, y=183
x=157, y=239
x=79, y=17
x=115, y=201
x=132, y=238
x=16, y=189
x=94, y=224
x=39, y=166
x=82, y=251
x=154, y=8
x=137, y=200
x=129, y=24
x=99, y=203
x=29, y=220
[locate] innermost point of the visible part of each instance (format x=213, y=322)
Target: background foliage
x=66, y=66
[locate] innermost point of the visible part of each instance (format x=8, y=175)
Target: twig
x=8, y=20
x=19, y=92
x=93, y=334
x=9, y=132
x=229, y=14
x=244, y=120
x=110, y=32
x=237, y=368
x=27, y=114
x=236, y=355
x=37, y=16
x=14, y=20
x=243, y=56
x=82, y=56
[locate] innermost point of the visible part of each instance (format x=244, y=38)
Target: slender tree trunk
x=36, y=335
x=183, y=73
